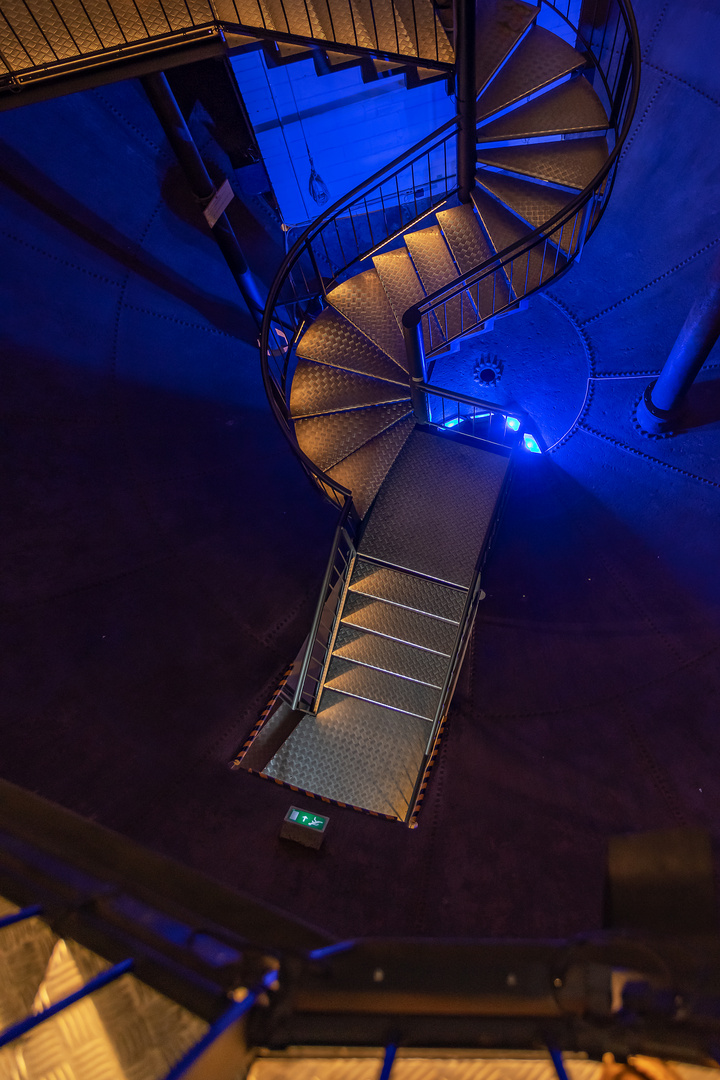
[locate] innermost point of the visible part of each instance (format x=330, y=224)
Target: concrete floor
x=162, y=550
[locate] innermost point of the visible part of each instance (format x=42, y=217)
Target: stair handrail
x=289, y=314
x=581, y=203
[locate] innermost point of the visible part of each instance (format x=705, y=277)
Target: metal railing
x=48, y=39
x=329, y=605
x=468, y=416
x=363, y=221
x=607, y=35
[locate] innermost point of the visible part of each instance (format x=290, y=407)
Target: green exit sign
x=304, y=827
x=310, y=821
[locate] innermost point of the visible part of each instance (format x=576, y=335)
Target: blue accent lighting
x=453, y=422
x=513, y=423
x=530, y=444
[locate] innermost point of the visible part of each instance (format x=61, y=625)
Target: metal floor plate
x=364, y=303
x=356, y=753
x=500, y=25
x=407, y=590
x=470, y=247
x=382, y=688
x=435, y=508
x=318, y=389
x=534, y=203
x=573, y=162
x=389, y=620
x=329, y=439
x=364, y=471
x=571, y=107
x=385, y=654
x=437, y=268
x=540, y=59
x=526, y=271
x=334, y=341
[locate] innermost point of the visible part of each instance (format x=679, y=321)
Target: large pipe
x=465, y=92
x=664, y=397
x=178, y=135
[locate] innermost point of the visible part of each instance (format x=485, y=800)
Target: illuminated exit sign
x=304, y=827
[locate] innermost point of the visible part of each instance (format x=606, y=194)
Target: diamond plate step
x=571, y=107
x=382, y=688
x=356, y=753
x=364, y=471
x=532, y=202
x=436, y=268
x=407, y=590
x=338, y=24
x=540, y=59
x=425, y=30
x=329, y=439
x=385, y=24
x=526, y=272
x=402, y=285
x=572, y=163
x=333, y=340
x=389, y=620
x=388, y=655
x=470, y=247
x=318, y=389
x=435, y=508
x=364, y=303
x=500, y=24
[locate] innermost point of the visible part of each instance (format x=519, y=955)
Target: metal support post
x=415, y=350
x=664, y=397
x=178, y=135
x=466, y=93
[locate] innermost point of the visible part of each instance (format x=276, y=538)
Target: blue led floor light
x=530, y=444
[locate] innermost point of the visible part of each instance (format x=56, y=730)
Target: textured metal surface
x=527, y=271
x=392, y=621
x=385, y=25
x=500, y=25
x=573, y=163
x=470, y=247
x=571, y=107
x=389, y=655
x=328, y=439
x=425, y=29
x=435, y=508
x=363, y=301
x=410, y=1065
x=364, y=471
x=540, y=59
x=382, y=688
x=356, y=753
x=436, y=268
x=407, y=590
x=318, y=389
x=534, y=203
x=331, y=339
x=26, y=949
x=403, y=287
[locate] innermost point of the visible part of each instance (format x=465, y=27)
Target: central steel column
x=465, y=93
x=178, y=135
x=664, y=397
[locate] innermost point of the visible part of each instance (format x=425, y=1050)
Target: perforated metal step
x=318, y=389
x=388, y=655
x=382, y=688
x=540, y=59
x=571, y=107
x=330, y=438
x=411, y=627
x=407, y=590
x=364, y=303
x=332, y=340
x=500, y=24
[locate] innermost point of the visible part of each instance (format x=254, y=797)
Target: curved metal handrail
x=590, y=202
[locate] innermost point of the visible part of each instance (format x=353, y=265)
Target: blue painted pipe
x=20, y=916
x=557, y=1060
x=390, y=1052
x=30, y=1022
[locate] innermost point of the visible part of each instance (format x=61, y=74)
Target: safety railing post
x=466, y=92
x=415, y=351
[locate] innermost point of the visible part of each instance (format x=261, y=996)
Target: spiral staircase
x=423, y=471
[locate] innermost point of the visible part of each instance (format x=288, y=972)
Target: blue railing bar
x=388, y=1062
x=331, y=950
x=236, y=1011
x=30, y=1022
x=20, y=916
x=557, y=1060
